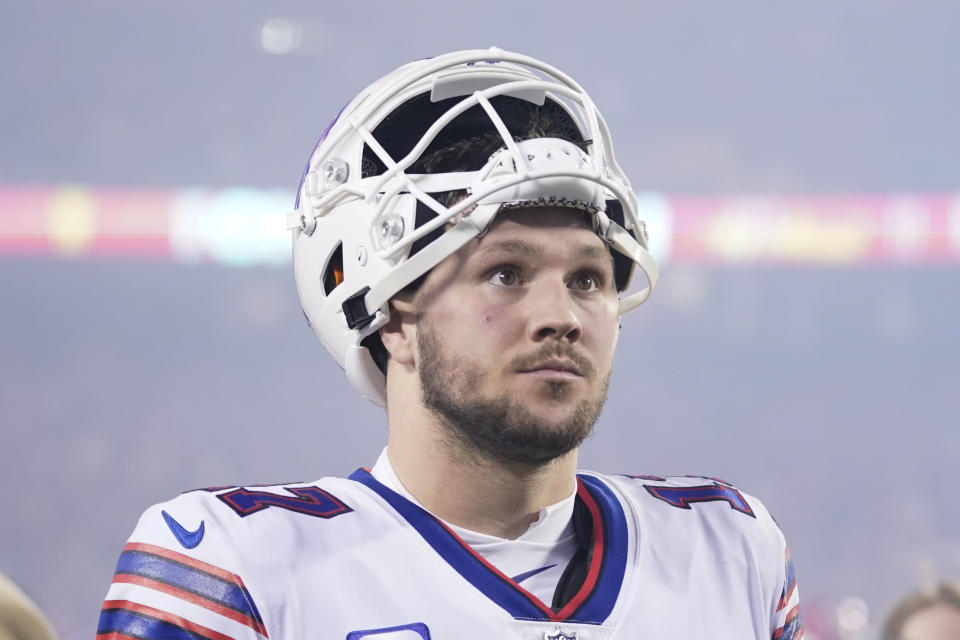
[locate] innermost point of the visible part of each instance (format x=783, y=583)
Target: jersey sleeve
x=787, y=619
x=786, y=623
x=176, y=578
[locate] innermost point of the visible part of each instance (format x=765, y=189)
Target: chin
x=555, y=397
x=551, y=410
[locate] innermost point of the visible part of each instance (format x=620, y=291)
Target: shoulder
x=683, y=492
x=708, y=525
x=236, y=517
x=699, y=508
x=225, y=557
x=248, y=531
x=704, y=534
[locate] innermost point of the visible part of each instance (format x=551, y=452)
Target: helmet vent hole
x=333, y=274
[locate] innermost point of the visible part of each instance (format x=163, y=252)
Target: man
x=932, y=613
x=464, y=245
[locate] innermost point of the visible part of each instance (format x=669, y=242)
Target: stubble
x=503, y=430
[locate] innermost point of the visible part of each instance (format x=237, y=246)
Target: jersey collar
x=592, y=603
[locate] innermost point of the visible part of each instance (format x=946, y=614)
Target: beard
x=500, y=429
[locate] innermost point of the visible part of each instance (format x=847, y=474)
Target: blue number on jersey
x=683, y=496
x=312, y=501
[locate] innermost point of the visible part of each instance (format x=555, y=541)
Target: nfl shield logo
x=559, y=635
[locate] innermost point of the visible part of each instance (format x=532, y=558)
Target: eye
x=505, y=276
x=585, y=281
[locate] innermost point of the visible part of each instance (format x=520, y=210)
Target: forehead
x=543, y=228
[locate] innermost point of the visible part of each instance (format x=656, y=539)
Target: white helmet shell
x=354, y=227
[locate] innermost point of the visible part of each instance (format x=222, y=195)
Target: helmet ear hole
x=333, y=273
x=614, y=211
x=378, y=352
x=622, y=265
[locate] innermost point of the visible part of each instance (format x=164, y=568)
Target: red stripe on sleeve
x=793, y=614
x=193, y=598
x=786, y=597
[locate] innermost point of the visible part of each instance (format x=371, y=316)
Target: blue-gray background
x=830, y=393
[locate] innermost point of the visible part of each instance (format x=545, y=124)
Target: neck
x=468, y=490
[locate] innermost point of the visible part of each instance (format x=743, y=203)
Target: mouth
x=555, y=368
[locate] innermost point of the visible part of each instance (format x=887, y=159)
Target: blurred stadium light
x=245, y=226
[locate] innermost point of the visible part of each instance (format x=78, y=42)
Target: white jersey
x=350, y=559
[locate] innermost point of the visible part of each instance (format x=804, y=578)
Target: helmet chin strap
x=621, y=240
x=364, y=374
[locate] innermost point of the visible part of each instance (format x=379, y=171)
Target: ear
x=399, y=334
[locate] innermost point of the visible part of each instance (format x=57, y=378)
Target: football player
x=464, y=246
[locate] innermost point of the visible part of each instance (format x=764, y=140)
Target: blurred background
x=798, y=167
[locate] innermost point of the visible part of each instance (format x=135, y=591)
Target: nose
x=552, y=313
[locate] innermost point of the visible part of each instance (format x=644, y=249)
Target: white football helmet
x=368, y=222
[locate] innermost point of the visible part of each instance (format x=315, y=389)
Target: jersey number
x=312, y=501
x=683, y=497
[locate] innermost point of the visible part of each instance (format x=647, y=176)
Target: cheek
x=472, y=312
x=492, y=330
x=489, y=327
x=606, y=332
x=493, y=315
x=476, y=328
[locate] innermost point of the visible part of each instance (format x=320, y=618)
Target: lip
x=553, y=375
x=555, y=368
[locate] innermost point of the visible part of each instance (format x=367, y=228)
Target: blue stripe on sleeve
x=211, y=587
x=141, y=626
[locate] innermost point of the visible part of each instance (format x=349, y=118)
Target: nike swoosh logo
x=529, y=574
x=188, y=539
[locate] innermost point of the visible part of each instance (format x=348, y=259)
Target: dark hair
x=940, y=594
x=468, y=140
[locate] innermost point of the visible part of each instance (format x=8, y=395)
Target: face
x=939, y=622
x=516, y=334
